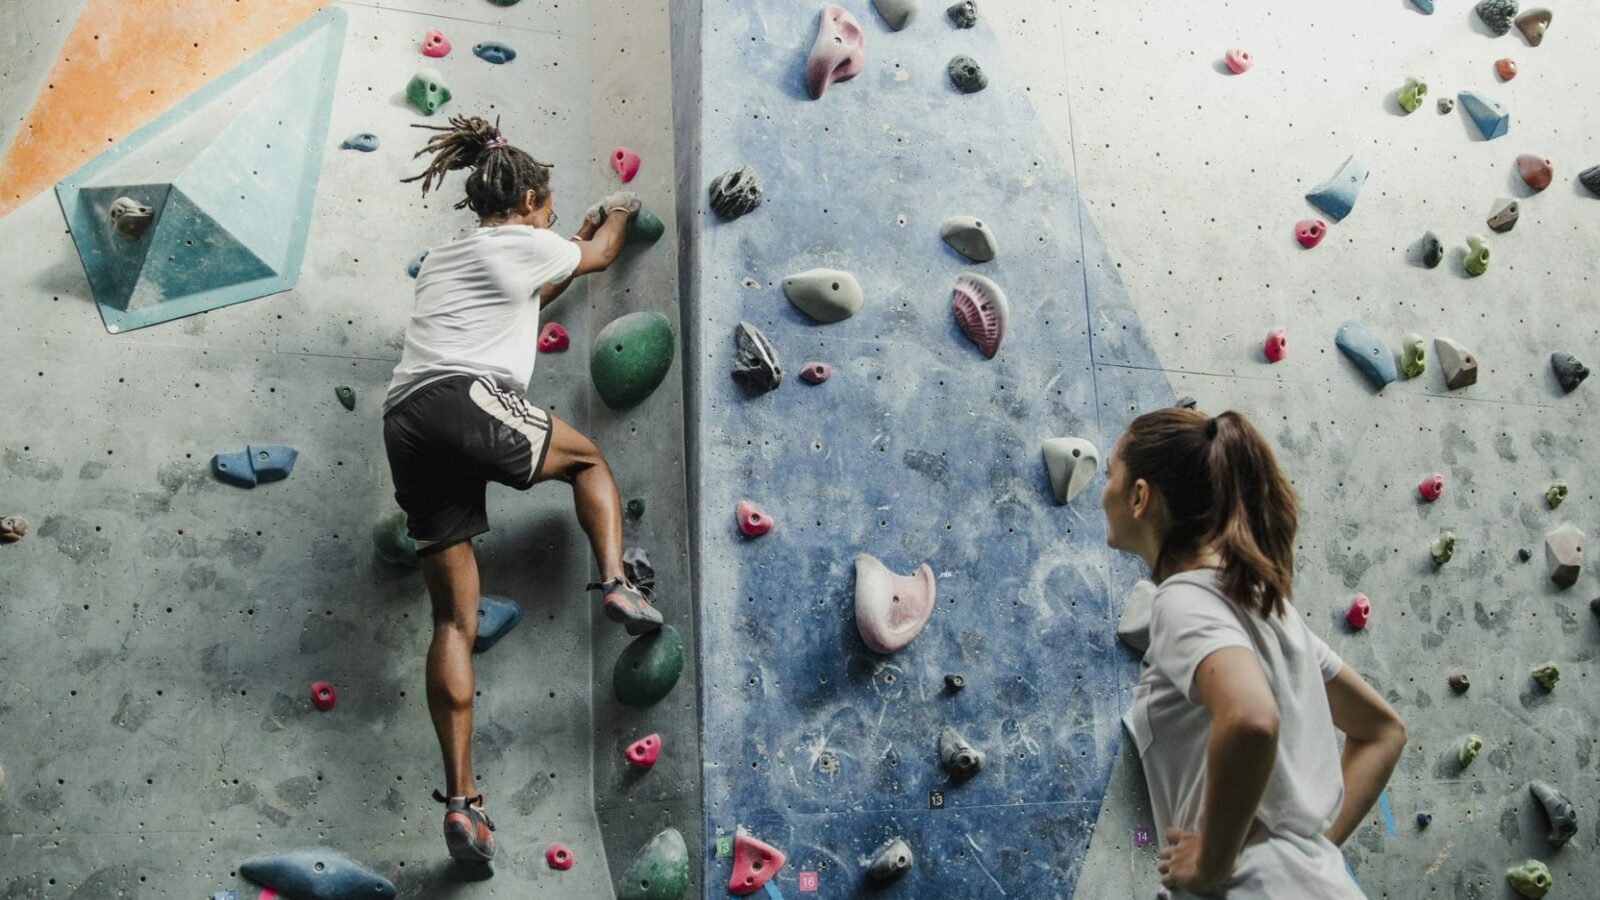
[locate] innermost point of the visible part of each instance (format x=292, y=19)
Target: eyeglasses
x=553, y=219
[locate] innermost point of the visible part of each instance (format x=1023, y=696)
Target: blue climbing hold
x=229, y=894
x=366, y=142
x=316, y=874
x=415, y=266
x=1426, y=6
x=1368, y=351
x=494, y=52
x=1490, y=117
x=256, y=464
x=496, y=617
x=1337, y=196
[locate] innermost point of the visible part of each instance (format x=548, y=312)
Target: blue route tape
x=1388, y=817
x=772, y=892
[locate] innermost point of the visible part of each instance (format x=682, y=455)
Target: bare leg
x=574, y=459
x=452, y=578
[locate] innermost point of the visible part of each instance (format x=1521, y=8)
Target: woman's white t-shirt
x=1286, y=854
x=477, y=308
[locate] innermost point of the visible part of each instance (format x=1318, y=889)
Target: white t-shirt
x=1286, y=854
x=477, y=308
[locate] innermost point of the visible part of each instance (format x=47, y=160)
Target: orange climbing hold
x=754, y=863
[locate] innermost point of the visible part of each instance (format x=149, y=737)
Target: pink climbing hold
x=322, y=696
x=1239, y=61
x=816, y=372
x=891, y=609
x=268, y=894
x=644, y=752
x=553, y=338
x=435, y=44
x=1310, y=232
x=752, y=522
x=557, y=856
x=754, y=863
x=981, y=311
x=839, y=52
x=1431, y=487
x=625, y=163
x=1277, y=344
x=1360, y=611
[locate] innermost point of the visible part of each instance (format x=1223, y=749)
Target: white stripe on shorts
x=530, y=421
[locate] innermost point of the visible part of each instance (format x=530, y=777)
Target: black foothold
x=955, y=681
x=1459, y=682
x=892, y=861
x=1432, y=250
x=756, y=365
x=346, y=395
x=1594, y=606
x=1524, y=554
x=1569, y=371
x=1424, y=819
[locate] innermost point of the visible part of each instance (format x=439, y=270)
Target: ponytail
x=1223, y=492
x=501, y=174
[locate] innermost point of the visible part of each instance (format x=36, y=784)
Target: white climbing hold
x=1071, y=464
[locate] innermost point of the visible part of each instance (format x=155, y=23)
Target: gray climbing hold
x=346, y=395
x=1071, y=464
x=1555, y=493
x=1368, y=351
x=12, y=529
x=1569, y=372
x=1490, y=117
x=256, y=464
x=736, y=192
x=1459, y=682
x=1459, y=364
x=892, y=861
x=1432, y=250
x=827, y=295
x=1337, y=196
x=1133, y=626
x=130, y=218
x=1533, y=24
x=1590, y=178
x=1497, y=14
x=1559, y=814
x=756, y=365
x=897, y=14
x=1184, y=403
x=969, y=237
x=1424, y=819
x=1443, y=548
x=1503, y=217
x=1446, y=105
x=958, y=757
x=316, y=874
x=963, y=14
x=967, y=75
x=366, y=142
x=1563, y=551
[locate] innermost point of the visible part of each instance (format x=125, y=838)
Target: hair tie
x=1211, y=428
x=495, y=143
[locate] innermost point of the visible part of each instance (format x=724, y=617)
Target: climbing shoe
x=467, y=828
x=628, y=605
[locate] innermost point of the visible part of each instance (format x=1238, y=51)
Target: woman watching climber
x=1236, y=708
x=455, y=418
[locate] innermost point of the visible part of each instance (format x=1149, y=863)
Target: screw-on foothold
x=756, y=365
x=414, y=267
x=1506, y=68
x=1359, y=613
x=323, y=696
x=435, y=44
x=13, y=529
x=553, y=338
x=636, y=507
x=955, y=681
x=958, y=757
x=1459, y=365
x=366, y=142
x=558, y=857
x=1446, y=105
x=752, y=522
x=1459, y=682
x=815, y=372
x=625, y=163
x=1443, y=548
x=1277, y=344
x=1432, y=250
x=427, y=91
x=1431, y=487
x=1503, y=217
x=1569, y=372
x=736, y=192
x=1531, y=879
x=346, y=395
x=643, y=753
x=1524, y=553
x=1547, y=674
x=1238, y=60
x=1476, y=261
x=967, y=75
x=963, y=14
x=1424, y=819
x=1471, y=746
x=1411, y=94
x=1413, y=356
x=1184, y=403
x=1309, y=232
x=892, y=861
x=494, y=52
x=1555, y=493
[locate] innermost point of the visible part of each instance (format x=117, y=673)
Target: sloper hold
x=756, y=365
x=754, y=863
x=897, y=14
x=494, y=52
x=1413, y=356
x=959, y=758
x=625, y=163
x=256, y=464
x=1559, y=815
x=1071, y=464
x=1569, y=372
x=1337, y=196
x=1490, y=117
x=1133, y=626
x=391, y=540
x=496, y=617
x=1476, y=260
x=963, y=14
x=427, y=91
x=1563, y=551
x=736, y=192
x=826, y=295
x=1536, y=171
x=837, y=54
x=1503, y=217
x=648, y=668
x=365, y=141
x=892, y=861
x=1533, y=24
x=815, y=372
x=660, y=870
x=1368, y=351
x=644, y=228
x=981, y=311
x=630, y=358
x=1531, y=879
x=1497, y=14
x=643, y=753
x=316, y=874
x=891, y=609
x=1459, y=364
x=967, y=75
x=970, y=238
x=346, y=395
x=752, y=522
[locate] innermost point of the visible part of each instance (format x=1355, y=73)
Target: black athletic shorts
x=447, y=441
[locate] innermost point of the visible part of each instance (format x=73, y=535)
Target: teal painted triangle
x=118, y=260
x=190, y=254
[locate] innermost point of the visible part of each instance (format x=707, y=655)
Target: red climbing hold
x=1431, y=487
x=1505, y=68
x=558, y=857
x=553, y=338
x=837, y=54
x=1310, y=232
x=322, y=696
x=625, y=163
x=1536, y=171
x=644, y=752
x=816, y=372
x=980, y=309
x=1277, y=344
x=754, y=863
x=1360, y=611
x=1239, y=61
x=752, y=522
x=435, y=44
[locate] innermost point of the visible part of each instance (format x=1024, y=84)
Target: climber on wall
x=1235, y=712
x=455, y=418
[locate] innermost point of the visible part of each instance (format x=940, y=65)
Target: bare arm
x=598, y=247
x=1240, y=755
x=1374, y=739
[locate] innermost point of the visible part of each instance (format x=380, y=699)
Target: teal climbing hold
x=1490, y=117
x=366, y=142
x=630, y=358
x=414, y=268
x=644, y=228
x=316, y=874
x=496, y=617
x=346, y=395
x=391, y=540
x=256, y=464
x=427, y=91
x=1337, y=196
x=649, y=668
x=636, y=508
x=494, y=52
x=659, y=872
x=1368, y=351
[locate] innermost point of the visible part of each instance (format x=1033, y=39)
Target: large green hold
x=644, y=228
x=659, y=872
x=648, y=669
x=630, y=358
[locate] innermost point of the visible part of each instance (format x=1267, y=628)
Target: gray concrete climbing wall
x=159, y=630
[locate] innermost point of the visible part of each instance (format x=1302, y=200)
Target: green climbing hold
x=659, y=872
x=636, y=508
x=346, y=395
x=1444, y=548
x=392, y=541
x=1476, y=262
x=644, y=228
x=427, y=91
x=1471, y=746
x=1413, y=356
x=1547, y=674
x=1411, y=93
x=1555, y=493
x=1531, y=879
x=648, y=668
x=631, y=357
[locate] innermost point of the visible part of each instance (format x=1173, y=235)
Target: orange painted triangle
x=126, y=63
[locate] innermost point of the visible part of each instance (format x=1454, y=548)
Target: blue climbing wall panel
x=918, y=450
x=230, y=175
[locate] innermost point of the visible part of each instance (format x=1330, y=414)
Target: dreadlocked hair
x=501, y=174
